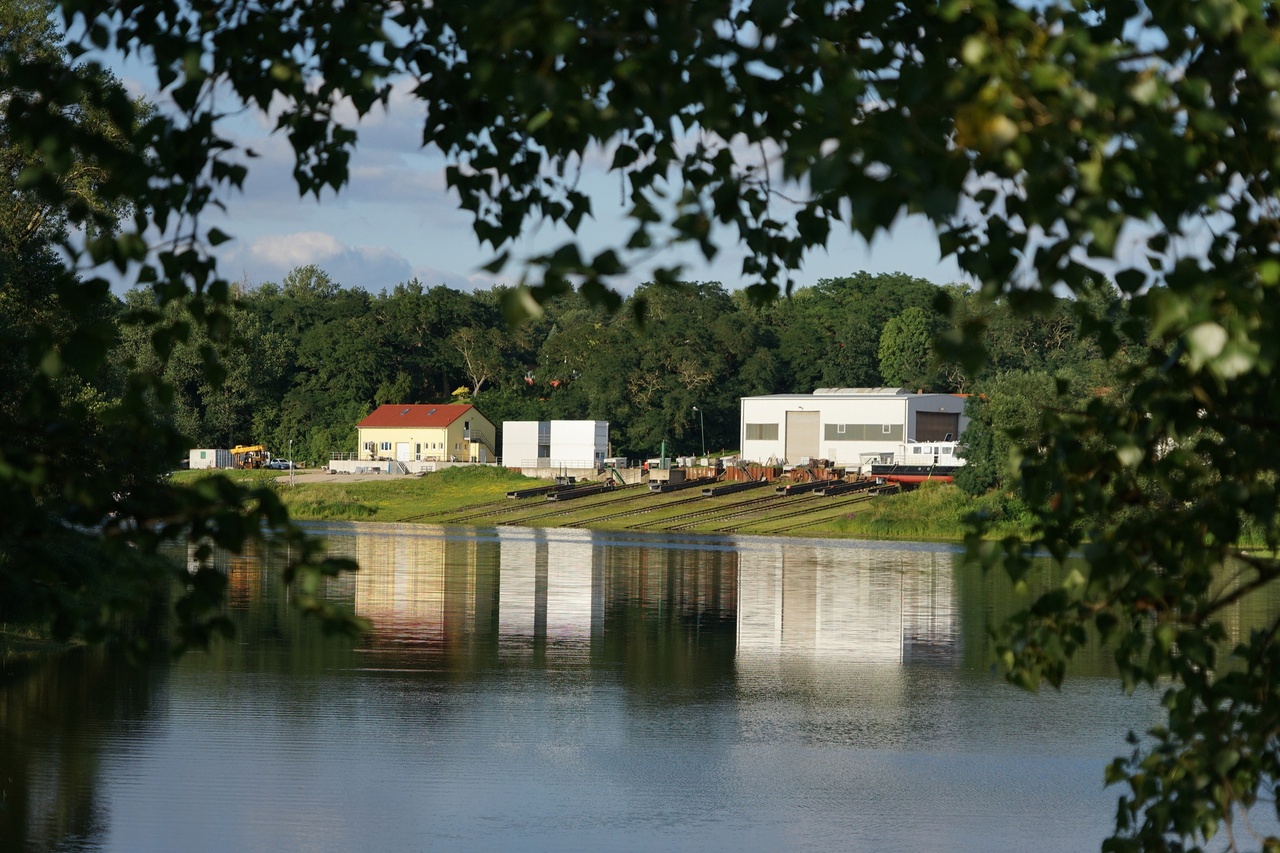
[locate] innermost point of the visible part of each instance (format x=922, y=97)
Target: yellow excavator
x=249, y=456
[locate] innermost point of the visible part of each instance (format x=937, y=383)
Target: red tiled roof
x=416, y=416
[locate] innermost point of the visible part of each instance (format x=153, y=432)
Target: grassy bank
x=934, y=512
x=429, y=498
x=256, y=477
x=19, y=643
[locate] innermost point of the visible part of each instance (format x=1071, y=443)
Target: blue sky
x=396, y=220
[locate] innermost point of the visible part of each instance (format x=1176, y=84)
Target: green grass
x=429, y=498
x=23, y=643
x=933, y=512
x=258, y=477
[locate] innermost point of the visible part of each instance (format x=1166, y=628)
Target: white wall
x=579, y=443
x=574, y=444
x=520, y=444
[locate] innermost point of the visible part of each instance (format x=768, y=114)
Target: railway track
x=638, y=505
x=798, y=504
x=619, y=503
x=730, y=508
x=484, y=509
x=809, y=517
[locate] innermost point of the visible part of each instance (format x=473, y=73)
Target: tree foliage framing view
x=1048, y=142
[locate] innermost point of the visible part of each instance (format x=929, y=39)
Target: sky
x=396, y=220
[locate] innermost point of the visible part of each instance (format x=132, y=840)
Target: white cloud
x=430, y=277
x=270, y=257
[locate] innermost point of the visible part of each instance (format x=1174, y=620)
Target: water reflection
x=564, y=689
x=56, y=717
x=560, y=591
x=850, y=602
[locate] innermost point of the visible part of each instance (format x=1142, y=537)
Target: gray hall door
x=802, y=436
x=937, y=426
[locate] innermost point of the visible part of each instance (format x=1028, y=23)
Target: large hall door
x=802, y=436
x=937, y=426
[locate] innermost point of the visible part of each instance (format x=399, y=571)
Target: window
x=762, y=432
x=840, y=429
x=386, y=445
x=886, y=429
x=916, y=450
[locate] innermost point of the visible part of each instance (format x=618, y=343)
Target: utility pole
x=702, y=430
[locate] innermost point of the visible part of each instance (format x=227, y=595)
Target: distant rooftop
x=400, y=415
x=851, y=394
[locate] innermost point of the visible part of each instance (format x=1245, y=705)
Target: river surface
x=576, y=691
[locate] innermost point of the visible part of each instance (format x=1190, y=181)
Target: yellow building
x=448, y=433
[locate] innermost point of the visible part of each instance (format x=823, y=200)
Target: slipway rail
x=722, y=508
x=843, y=487
x=646, y=503
x=768, y=505
x=518, y=494
x=580, y=492
x=733, y=488
x=663, y=488
x=807, y=517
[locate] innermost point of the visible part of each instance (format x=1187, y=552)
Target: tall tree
x=906, y=349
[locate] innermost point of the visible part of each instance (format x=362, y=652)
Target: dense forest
x=310, y=358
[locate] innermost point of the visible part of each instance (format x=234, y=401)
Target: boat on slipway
x=919, y=463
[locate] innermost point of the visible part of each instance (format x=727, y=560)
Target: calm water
x=569, y=690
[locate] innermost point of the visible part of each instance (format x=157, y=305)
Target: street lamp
x=702, y=430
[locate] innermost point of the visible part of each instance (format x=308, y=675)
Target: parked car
x=280, y=464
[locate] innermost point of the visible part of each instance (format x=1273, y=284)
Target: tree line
x=309, y=358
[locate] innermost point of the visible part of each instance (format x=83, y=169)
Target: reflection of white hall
x=545, y=586
x=852, y=601
x=441, y=582
x=794, y=599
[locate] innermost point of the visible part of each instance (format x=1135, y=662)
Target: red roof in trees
x=416, y=416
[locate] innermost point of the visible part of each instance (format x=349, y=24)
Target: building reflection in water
x=852, y=601
x=550, y=586
x=564, y=590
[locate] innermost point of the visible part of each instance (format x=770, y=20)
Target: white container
x=201, y=458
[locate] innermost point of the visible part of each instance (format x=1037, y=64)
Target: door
x=937, y=426
x=802, y=436
x=404, y=451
